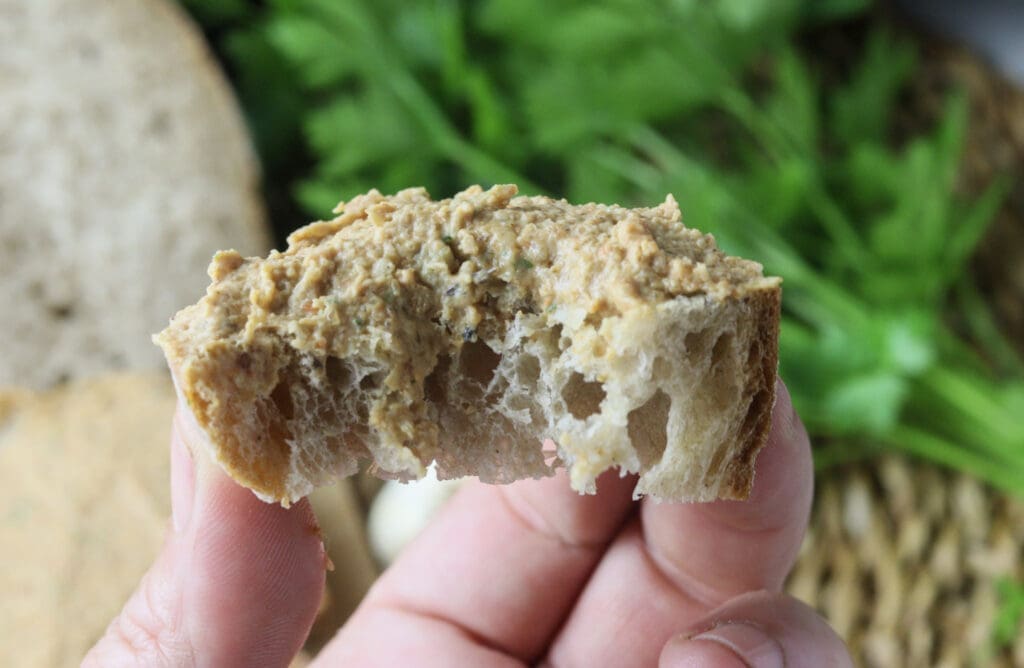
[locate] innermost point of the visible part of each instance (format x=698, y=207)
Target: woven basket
x=903, y=559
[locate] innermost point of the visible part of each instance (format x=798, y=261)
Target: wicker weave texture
x=903, y=559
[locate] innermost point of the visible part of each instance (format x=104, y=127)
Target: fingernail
x=784, y=402
x=746, y=643
x=183, y=480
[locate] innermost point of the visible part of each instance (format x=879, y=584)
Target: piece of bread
x=467, y=330
x=124, y=164
x=85, y=501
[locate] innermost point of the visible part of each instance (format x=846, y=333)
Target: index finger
x=236, y=583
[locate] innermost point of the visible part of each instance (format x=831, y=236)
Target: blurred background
x=870, y=153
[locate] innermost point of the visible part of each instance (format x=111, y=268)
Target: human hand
x=529, y=573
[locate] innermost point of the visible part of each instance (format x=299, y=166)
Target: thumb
x=237, y=583
x=758, y=630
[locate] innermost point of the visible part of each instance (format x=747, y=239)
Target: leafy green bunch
x=714, y=101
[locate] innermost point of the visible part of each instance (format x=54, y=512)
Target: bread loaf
x=124, y=164
x=467, y=331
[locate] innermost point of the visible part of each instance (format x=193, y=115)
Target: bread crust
x=466, y=331
x=740, y=474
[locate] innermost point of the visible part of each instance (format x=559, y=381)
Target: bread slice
x=466, y=331
x=124, y=164
x=83, y=485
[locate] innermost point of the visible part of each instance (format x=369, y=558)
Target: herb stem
x=779, y=148
x=985, y=330
x=474, y=160
x=630, y=167
x=838, y=226
x=405, y=87
x=960, y=393
x=738, y=104
x=933, y=448
x=839, y=452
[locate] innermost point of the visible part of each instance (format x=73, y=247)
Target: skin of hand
x=523, y=574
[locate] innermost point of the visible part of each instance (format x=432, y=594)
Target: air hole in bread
x=661, y=371
x=722, y=347
x=281, y=396
x=562, y=342
x=338, y=373
x=370, y=381
x=529, y=371
x=477, y=362
x=758, y=405
x=582, y=396
x=435, y=385
x=697, y=343
x=648, y=428
x=720, y=385
x=754, y=353
x=716, y=461
x=62, y=311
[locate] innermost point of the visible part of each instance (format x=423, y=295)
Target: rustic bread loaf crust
x=469, y=330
